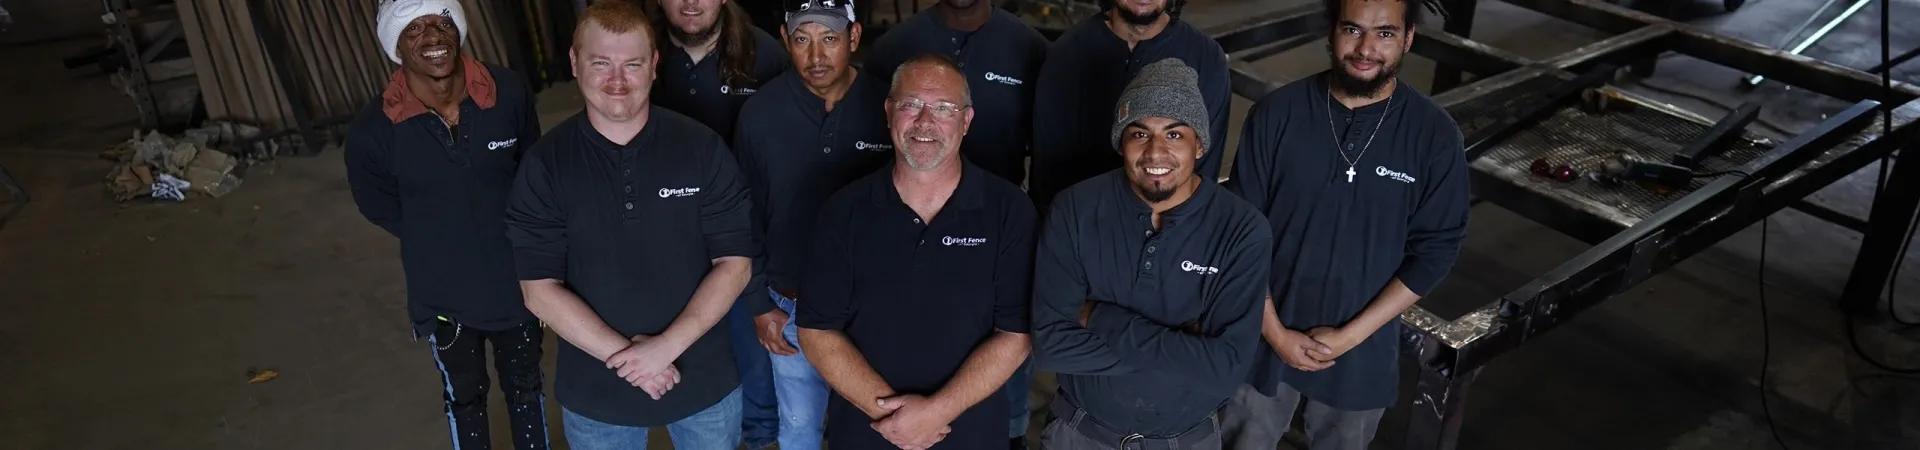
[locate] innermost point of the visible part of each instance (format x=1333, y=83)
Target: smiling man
x=1148, y=283
x=431, y=163
x=918, y=283
x=1086, y=70
x=632, y=235
x=1365, y=180
x=806, y=134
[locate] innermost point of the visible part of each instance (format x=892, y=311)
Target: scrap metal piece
x=1488, y=137
x=1717, y=139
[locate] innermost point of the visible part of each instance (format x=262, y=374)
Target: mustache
x=1359, y=59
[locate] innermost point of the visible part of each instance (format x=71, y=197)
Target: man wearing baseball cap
x=806, y=134
x=431, y=163
x=1148, y=283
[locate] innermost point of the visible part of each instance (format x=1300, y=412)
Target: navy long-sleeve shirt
x=999, y=60
x=1177, y=318
x=1086, y=70
x=443, y=191
x=1339, y=243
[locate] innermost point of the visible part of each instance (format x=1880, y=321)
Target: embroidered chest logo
x=729, y=90
x=1199, y=269
x=1389, y=173
x=496, y=145
x=962, y=241
x=680, y=192
x=864, y=145
x=1003, y=79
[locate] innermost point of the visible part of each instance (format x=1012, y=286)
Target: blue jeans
x=759, y=421
x=1016, y=390
x=717, y=427
x=802, y=393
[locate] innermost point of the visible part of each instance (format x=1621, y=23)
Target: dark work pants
x=460, y=352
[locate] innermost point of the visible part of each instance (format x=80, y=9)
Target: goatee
x=1132, y=18
x=1346, y=84
x=1151, y=195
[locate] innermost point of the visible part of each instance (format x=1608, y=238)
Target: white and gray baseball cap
x=836, y=15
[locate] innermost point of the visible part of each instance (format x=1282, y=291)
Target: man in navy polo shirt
x=1366, y=180
x=806, y=134
x=1086, y=70
x=1148, y=283
x=918, y=282
x=431, y=163
x=632, y=235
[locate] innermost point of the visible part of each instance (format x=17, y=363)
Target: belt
x=788, y=293
x=1077, y=420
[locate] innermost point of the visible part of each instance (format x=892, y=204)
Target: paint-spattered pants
x=460, y=353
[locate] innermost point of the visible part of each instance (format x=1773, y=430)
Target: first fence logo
x=962, y=241
x=681, y=192
x=496, y=145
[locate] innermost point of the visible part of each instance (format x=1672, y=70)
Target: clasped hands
x=914, y=422
x=647, y=363
x=1316, y=348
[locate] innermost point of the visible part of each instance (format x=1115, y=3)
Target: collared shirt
x=443, y=191
x=795, y=154
x=1086, y=70
x=1340, y=243
x=1177, y=321
x=633, y=230
x=917, y=297
x=1000, y=62
x=695, y=88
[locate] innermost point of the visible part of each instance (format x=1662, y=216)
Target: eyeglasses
x=941, y=110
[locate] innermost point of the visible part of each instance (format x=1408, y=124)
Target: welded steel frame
x=1447, y=354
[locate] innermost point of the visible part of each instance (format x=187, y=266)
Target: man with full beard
x=1086, y=69
x=875, y=279
x=632, y=235
x=431, y=162
x=807, y=133
x=1365, y=183
x=717, y=61
x=1148, y=283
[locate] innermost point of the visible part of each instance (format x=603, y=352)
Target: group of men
x=748, y=239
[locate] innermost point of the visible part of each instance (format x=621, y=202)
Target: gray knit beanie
x=1167, y=88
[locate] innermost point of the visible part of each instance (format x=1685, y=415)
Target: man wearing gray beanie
x=1148, y=283
x=431, y=163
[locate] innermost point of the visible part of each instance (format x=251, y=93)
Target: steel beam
x=1455, y=51
x=1266, y=28
x=1486, y=138
x=1644, y=42
x=1886, y=236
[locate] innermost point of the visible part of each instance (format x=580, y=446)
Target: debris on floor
x=262, y=376
x=167, y=167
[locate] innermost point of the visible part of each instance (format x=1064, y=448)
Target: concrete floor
x=134, y=325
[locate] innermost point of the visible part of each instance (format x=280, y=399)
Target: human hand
x=658, y=386
x=1302, y=352
x=1086, y=311
x=913, y=422
x=771, y=327
x=1336, y=339
x=644, y=360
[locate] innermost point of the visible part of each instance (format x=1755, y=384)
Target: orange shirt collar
x=400, y=104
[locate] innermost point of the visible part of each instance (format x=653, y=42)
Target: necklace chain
x=1337, y=144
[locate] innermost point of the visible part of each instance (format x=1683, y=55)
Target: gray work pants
x=1251, y=421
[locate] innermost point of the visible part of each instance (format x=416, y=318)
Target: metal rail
x=1628, y=249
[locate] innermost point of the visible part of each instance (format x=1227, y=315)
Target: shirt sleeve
x=726, y=213
x=1254, y=178
x=536, y=223
x=1060, y=343
x=529, y=121
x=1217, y=93
x=1439, y=222
x=1217, y=357
x=1013, y=268
x=753, y=300
x=829, y=274
x=369, y=156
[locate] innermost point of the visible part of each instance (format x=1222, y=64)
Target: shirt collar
x=969, y=195
x=400, y=104
x=601, y=142
x=1201, y=197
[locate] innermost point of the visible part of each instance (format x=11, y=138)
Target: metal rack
x=1635, y=234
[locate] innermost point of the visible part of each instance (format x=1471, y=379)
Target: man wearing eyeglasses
x=807, y=133
x=933, y=236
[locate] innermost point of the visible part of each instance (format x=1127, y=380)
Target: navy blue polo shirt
x=696, y=88
x=795, y=153
x=443, y=192
x=1340, y=243
x=1138, y=366
x=633, y=230
x=1086, y=70
x=917, y=297
x=1000, y=61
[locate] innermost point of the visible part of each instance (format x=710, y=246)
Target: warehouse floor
x=138, y=325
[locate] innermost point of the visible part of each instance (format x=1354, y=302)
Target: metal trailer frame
x=1449, y=353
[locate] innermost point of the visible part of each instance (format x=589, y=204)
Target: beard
x=1153, y=195
x=1348, y=84
x=697, y=36
x=1146, y=18
x=926, y=160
